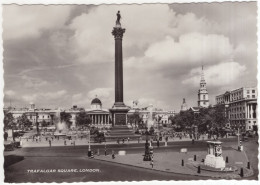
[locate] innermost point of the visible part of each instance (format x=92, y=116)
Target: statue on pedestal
x=118, y=18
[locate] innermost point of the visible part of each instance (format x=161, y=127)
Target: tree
x=23, y=121
x=8, y=120
x=134, y=118
x=83, y=119
x=9, y=123
x=44, y=123
x=220, y=117
x=65, y=117
x=151, y=131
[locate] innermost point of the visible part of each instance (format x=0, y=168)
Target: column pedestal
x=119, y=115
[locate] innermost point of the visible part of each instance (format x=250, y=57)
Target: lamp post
x=89, y=149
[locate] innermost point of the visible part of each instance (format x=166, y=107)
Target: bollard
x=227, y=159
x=182, y=162
x=248, y=165
x=242, y=172
x=198, y=169
x=105, y=152
x=65, y=142
x=195, y=158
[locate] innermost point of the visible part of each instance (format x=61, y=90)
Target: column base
x=119, y=114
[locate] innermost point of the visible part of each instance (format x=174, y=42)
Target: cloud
x=30, y=20
x=192, y=48
x=10, y=93
x=145, y=25
x=223, y=74
x=59, y=95
x=163, y=47
x=33, y=82
x=100, y=93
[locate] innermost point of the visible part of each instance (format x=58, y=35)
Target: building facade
x=241, y=107
x=158, y=114
x=100, y=117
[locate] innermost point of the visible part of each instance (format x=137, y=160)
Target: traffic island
x=183, y=163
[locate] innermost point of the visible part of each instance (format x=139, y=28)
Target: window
x=248, y=96
x=253, y=96
x=248, y=91
x=204, y=97
x=249, y=127
x=253, y=91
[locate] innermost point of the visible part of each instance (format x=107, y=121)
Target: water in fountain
x=150, y=121
x=61, y=127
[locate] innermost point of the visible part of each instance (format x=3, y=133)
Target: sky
x=63, y=55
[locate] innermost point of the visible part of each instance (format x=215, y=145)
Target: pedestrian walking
x=123, y=140
x=113, y=154
x=158, y=143
x=50, y=143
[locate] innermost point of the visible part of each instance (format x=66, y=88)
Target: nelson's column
x=119, y=109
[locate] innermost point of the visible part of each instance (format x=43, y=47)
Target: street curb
x=201, y=175
x=147, y=168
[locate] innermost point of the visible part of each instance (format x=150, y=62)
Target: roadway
x=70, y=157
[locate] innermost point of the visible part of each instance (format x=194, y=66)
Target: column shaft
x=118, y=70
x=251, y=111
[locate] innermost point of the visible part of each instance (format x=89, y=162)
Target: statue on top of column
x=118, y=18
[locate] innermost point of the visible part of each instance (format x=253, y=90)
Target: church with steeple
x=203, y=96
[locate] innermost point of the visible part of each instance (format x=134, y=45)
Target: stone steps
x=120, y=132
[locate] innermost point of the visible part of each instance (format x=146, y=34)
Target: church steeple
x=184, y=105
x=203, y=97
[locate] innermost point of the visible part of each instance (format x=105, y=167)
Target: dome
x=96, y=101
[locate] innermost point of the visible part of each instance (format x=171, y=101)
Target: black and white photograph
x=130, y=92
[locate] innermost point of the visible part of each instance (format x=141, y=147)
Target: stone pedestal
x=214, y=158
x=119, y=115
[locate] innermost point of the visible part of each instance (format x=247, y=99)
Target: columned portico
x=251, y=114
